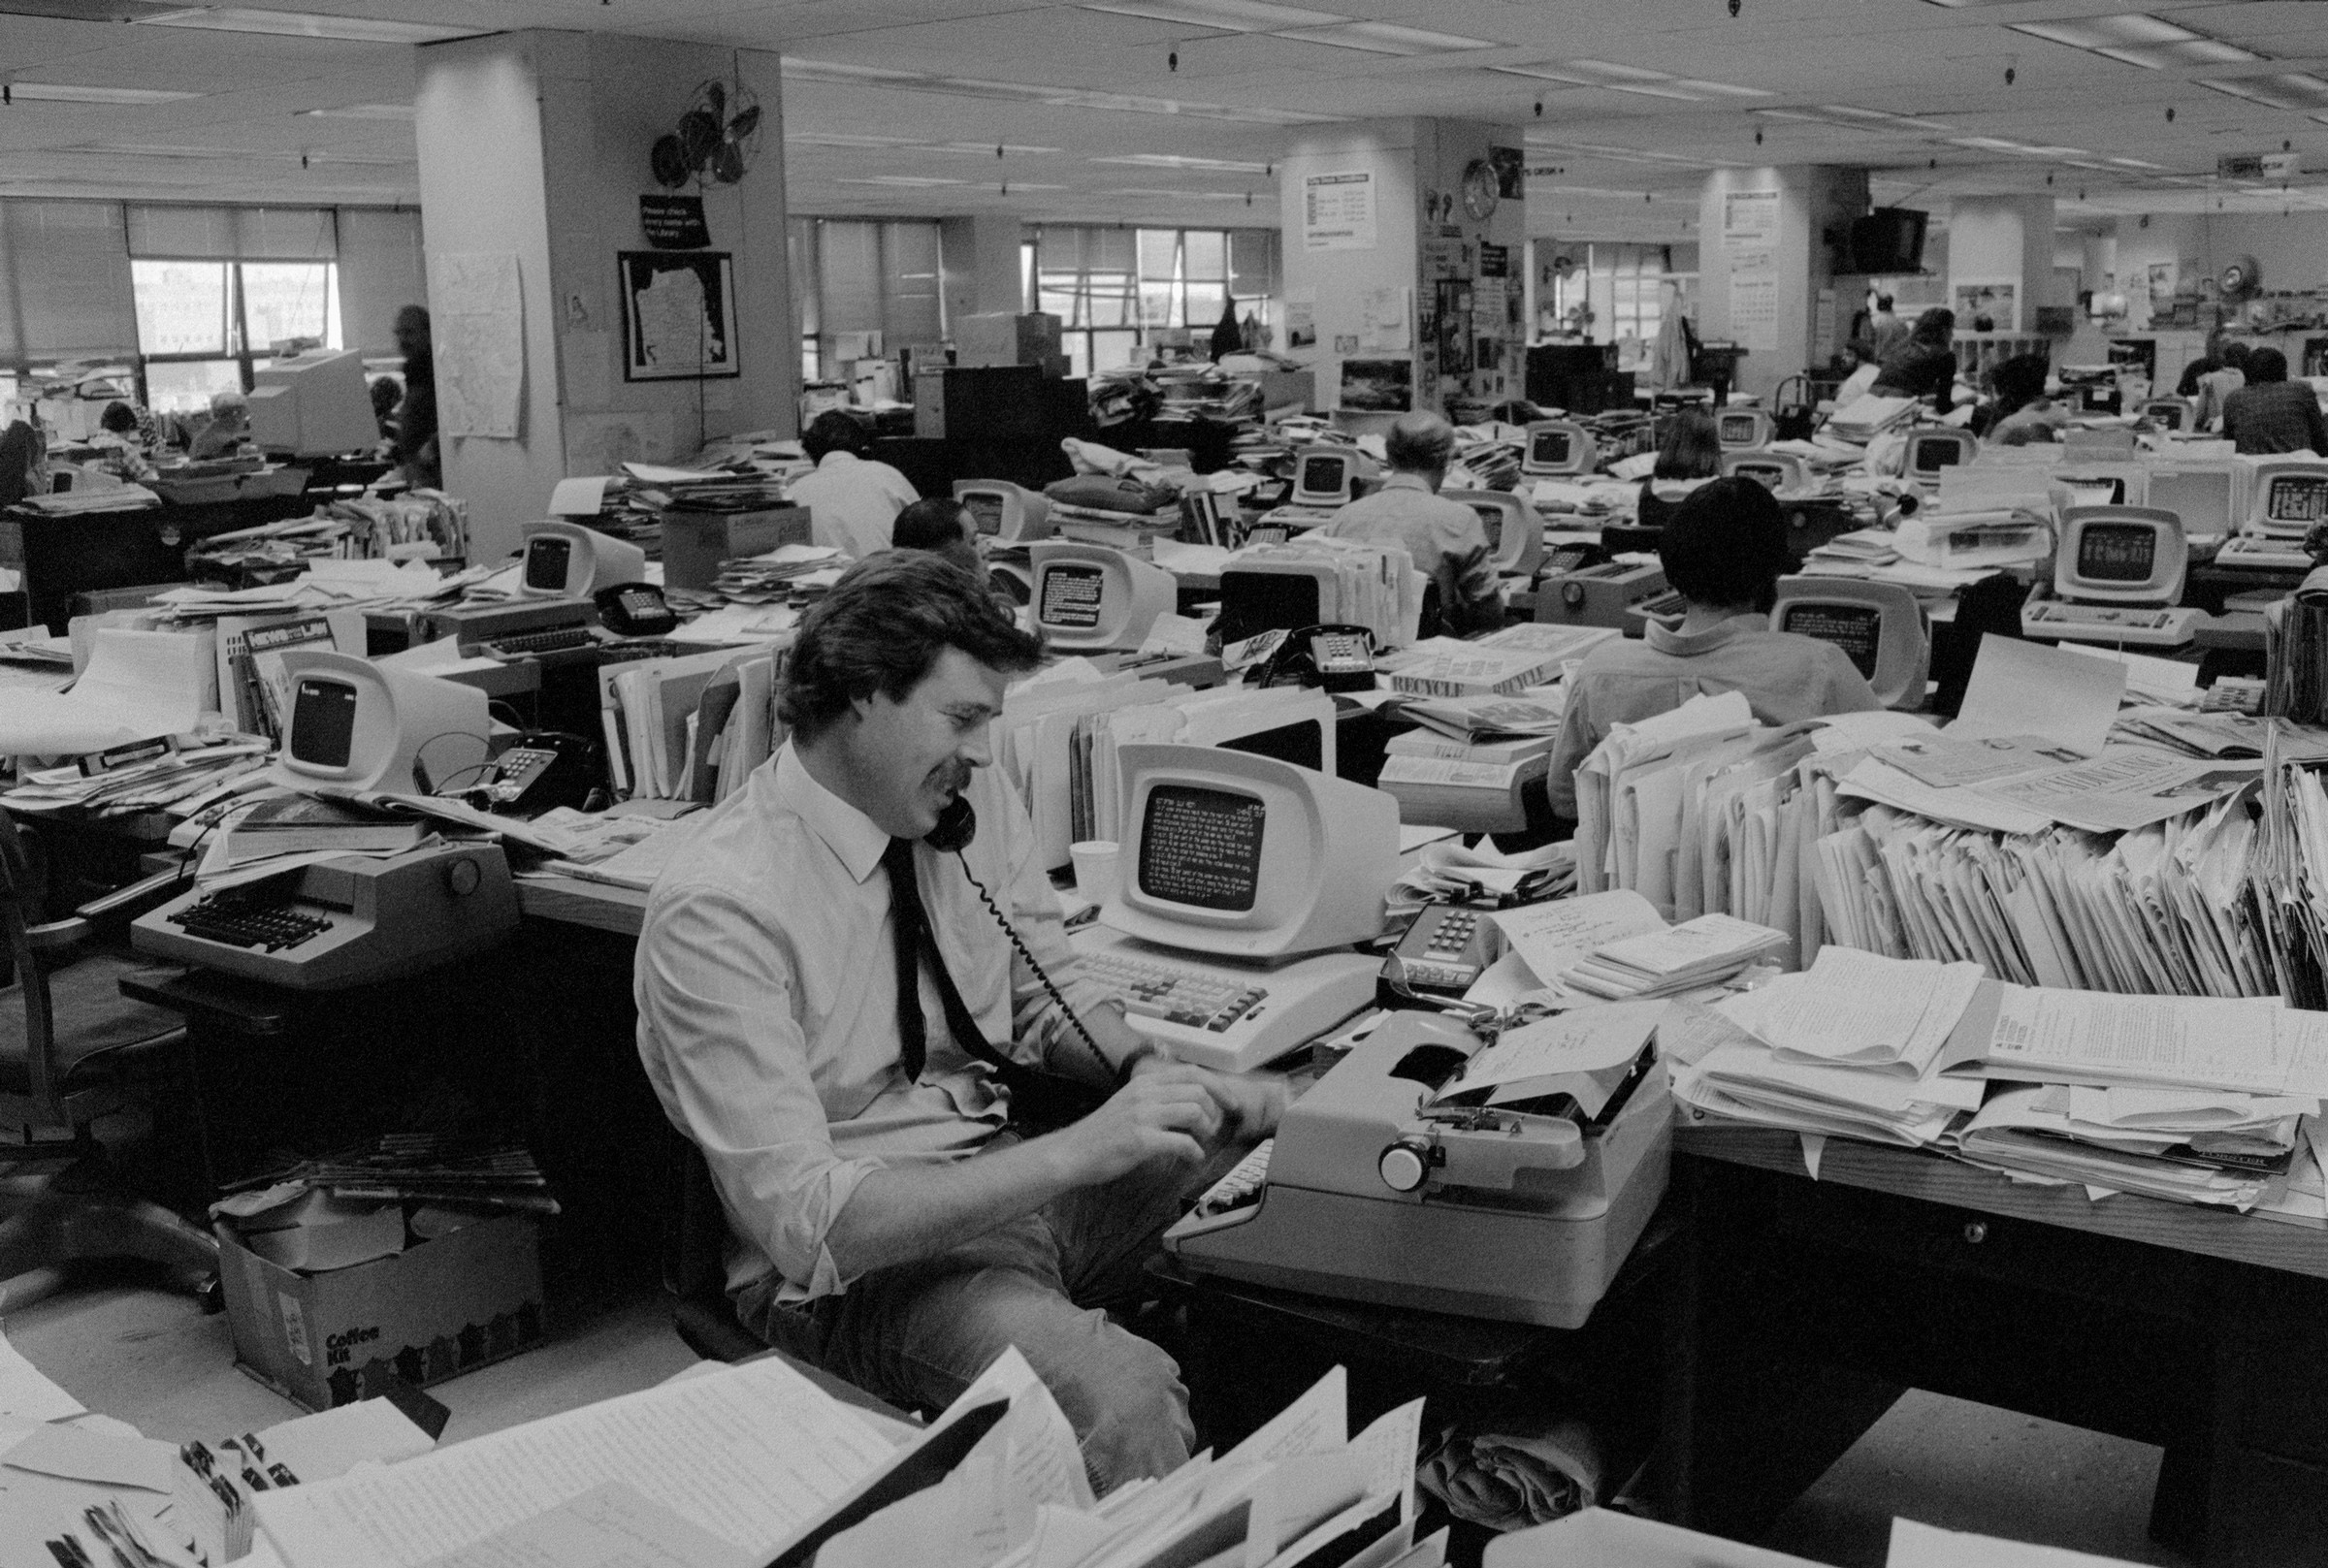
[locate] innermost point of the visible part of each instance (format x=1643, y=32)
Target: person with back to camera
x=2023, y=412
x=853, y=500
x=2272, y=414
x=1724, y=552
x=1446, y=539
x=824, y=1006
x=2229, y=374
x=1924, y=365
x=1690, y=455
x=1886, y=329
x=943, y=527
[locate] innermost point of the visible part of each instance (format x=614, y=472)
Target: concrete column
x=1997, y=240
x=535, y=144
x=1413, y=284
x=979, y=257
x=1768, y=243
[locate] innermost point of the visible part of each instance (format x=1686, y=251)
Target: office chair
x=74, y=1048
x=694, y=1263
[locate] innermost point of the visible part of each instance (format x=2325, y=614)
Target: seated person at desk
x=889, y=1223
x=228, y=427
x=1690, y=455
x=1723, y=552
x=2023, y=412
x=1924, y=365
x=2272, y=414
x=853, y=501
x=386, y=394
x=943, y=527
x=2225, y=375
x=1446, y=539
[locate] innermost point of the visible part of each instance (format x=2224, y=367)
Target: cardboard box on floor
x=433, y=1311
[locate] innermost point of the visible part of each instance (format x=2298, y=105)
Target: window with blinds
x=859, y=277
x=64, y=282
x=1112, y=287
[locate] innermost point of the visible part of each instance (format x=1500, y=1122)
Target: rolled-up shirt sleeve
x=715, y=993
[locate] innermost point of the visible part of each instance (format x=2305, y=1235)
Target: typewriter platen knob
x=461, y=877
x=1404, y=1164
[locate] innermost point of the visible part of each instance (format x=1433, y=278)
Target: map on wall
x=477, y=317
x=678, y=315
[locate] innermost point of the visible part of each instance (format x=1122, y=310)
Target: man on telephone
x=829, y=1002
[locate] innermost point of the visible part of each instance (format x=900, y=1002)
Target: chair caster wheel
x=211, y=1294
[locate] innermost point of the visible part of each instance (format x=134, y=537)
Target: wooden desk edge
x=2266, y=1242
x=572, y=901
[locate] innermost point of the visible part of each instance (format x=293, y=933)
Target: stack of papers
x=772, y=577
x=180, y=782
x=2186, y=1146
x=1864, y=418
x=1697, y=953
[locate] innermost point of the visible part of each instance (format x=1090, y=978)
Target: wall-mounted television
x=1888, y=241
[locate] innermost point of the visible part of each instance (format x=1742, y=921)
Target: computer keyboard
x=1234, y=1017
x=522, y=644
x=1233, y=1197
x=1181, y=996
x=247, y=922
x=2250, y=553
x=2098, y=622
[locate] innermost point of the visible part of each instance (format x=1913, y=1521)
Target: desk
x=61, y=555
x=1815, y=1303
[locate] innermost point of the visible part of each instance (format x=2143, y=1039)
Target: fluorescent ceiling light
x=1174, y=160
x=1798, y=115
x=914, y=181
x=980, y=150
x=2136, y=163
x=1383, y=38
x=362, y=112
x=835, y=139
x=1632, y=78
x=307, y=24
x=58, y=92
x=1230, y=16
x=1605, y=70
x=1018, y=92
x=2291, y=89
x=1183, y=196
x=2135, y=39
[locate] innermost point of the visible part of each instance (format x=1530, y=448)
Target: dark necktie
x=909, y=926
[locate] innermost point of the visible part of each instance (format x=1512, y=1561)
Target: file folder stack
x=1697, y=953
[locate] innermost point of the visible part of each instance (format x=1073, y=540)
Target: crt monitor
x=1246, y=856
x=1259, y=594
x=2168, y=413
x=568, y=561
x=1557, y=448
x=2209, y=494
x=1878, y=626
x=2119, y=555
x=313, y=405
x=2287, y=495
x=1775, y=470
x=1930, y=452
x=1743, y=429
x=1515, y=529
x=357, y=726
x=1327, y=475
x=1089, y=597
x=1004, y=512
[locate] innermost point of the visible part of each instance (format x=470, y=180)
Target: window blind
x=234, y=232
x=64, y=281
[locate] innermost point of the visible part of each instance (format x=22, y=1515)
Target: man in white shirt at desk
x=1446, y=539
x=853, y=501
x=817, y=985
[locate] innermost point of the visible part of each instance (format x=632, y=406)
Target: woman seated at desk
x=1925, y=364
x=1690, y=455
x=1723, y=552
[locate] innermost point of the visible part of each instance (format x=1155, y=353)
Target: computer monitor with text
x=1559, y=448
x=2121, y=555
x=1742, y=428
x=2287, y=495
x=1089, y=597
x=1248, y=857
x=1878, y=626
x=1326, y=476
x=1934, y=451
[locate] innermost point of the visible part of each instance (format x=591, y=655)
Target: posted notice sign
x=1338, y=210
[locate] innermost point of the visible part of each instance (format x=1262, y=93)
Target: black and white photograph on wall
x=678, y=315
x=1379, y=386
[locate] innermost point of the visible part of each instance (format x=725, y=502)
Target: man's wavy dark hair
x=882, y=628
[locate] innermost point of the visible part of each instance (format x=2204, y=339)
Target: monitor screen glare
x=2297, y=498
x=1933, y=455
x=1856, y=628
x=548, y=559
x=2117, y=552
x=323, y=721
x=1201, y=847
x=1550, y=447
x=986, y=510
x=1071, y=597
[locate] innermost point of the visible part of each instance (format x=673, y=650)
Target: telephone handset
x=1334, y=656
x=957, y=826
